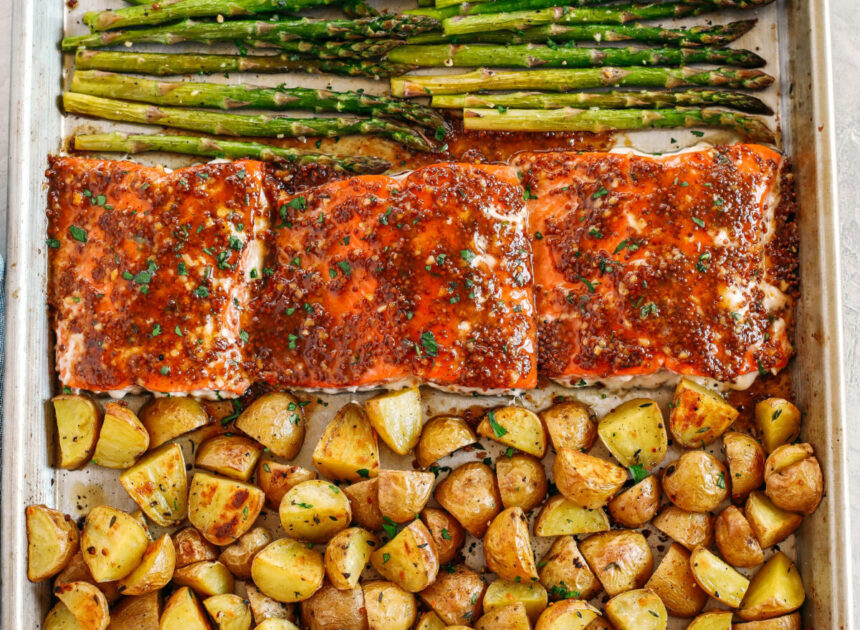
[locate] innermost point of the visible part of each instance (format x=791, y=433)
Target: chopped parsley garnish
x=591, y=285
x=698, y=222
x=498, y=429
x=298, y=203
x=344, y=267
x=243, y=335
x=52, y=243
x=181, y=269
x=428, y=342
x=79, y=234
x=639, y=473
x=156, y=330
x=601, y=192
x=468, y=255
x=201, y=292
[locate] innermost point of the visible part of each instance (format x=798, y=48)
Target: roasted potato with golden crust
x=348, y=449
x=699, y=415
x=228, y=611
x=510, y=617
x=735, y=539
x=388, y=606
x=158, y=484
x=501, y=593
x=277, y=624
x=621, y=559
x=397, y=418
x=183, y=611
x=288, y=570
x=522, y=481
x=123, y=438
x=78, y=571
x=276, y=421
x=276, y=479
x=570, y=425
x=404, y=493
x=52, y=541
x=745, y=457
x=79, y=421
x=206, y=578
x=774, y=591
x=570, y=614
x=586, y=480
x=690, y=529
x=517, y=427
x=440, y=437
x=560, y=516
x=712, y=620
x=61, y=618
x=717, y=578
x=637, y=505
x=770, y=524
x=778, y=422
x=233, y=456
x=238, y=556
x=113, y=543
x=674, y=584
x=635, y=433
x=409, y=559
x=601, y=623
x=154, y=571
x=87, y=604
x=637, y=610
x=793, y=478
x=264, y=607
x=430, y=621
x=141, y=612
x=508, y=548
x=169, y=417
x=788, y=622
x=364, y=503
x=191, y=547
x=696, y=482
x=456, y=596
x=471, y=495
x=315, y=511
x=223, y=509
x=448, y=535
x=347, y=554
x=333, y=609
x=565, y=573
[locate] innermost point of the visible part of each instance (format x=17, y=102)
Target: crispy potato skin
x=79, y=421
x=158, y=484
x=87, y=604
x=238, y=556
x=440, y=437
x=346, y=556
x=522, y=481
x=560, y=516
x=502, y=593
x=123, y=438
x=456, y=595
x=222, y=509
x=570, y=614
x=745, y=457
x=774, y=591
x=137, y=613
x=388, y=606
x=586, y=480
x=154, y=571
x=169, y=417
x=507, y=547
x=675, y=585
x=288, y=570
x=696, y=482
x=276, y=421
x=52, y=541
x=315, y=511
x=264, y=607
x=637, y=610
x=470, y=495
x=191, y=547
x=787, y=622
x=699, y=416
x=60, y=618
x=333, y=609
x=183, y=611
x=717, y=578
x=793, y=479
x=735, y=539
x=409, y=559
x=510, y=617
x=771, y=524
x=635, y=433
x=348, y=445
x=517, y=427
x=430, y=621
x=570, y=425
x=77, y=571
x=712, y=620
x=564, y=571
x=690, y=529
x=778, y=422
x=112, y=543
x=276, y=479
x=404, y=493
x=637, y=505
x=448, y=535
x=621, y=559
x=233, y=456
x=364, y=502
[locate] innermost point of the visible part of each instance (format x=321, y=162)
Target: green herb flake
x=78, y=233
x=498, y=429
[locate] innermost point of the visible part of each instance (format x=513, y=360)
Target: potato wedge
x=169, y=417
x=183, y=611
x=228, y=611
x=141, y=612
x=635, y=433
x=621, y=559
x=191, y=547
x=510, y=617
x=364, y=503
x=569, y=614
x=61, y=618
x=206, y=578
x=158, y=484
x=712, y=620
x=586, y=480
x=87, y=604
x=333, y=609
x=735, y=539
x=430, y=621
x=276, y=479
x=388, y=606
x=560, y=516
x=397, y=418
x=440, y=437
x=601, y=623
x=717, y=578
x=123, y=438
x=78, y=571
x=277, y=624
x=470, y=495
x=674, y=584
x=637, y=610
x=532, y=595
x=690, y=529
x=457, y=595
x=570, y=425
x=637, y=505
x=315, y=511
x=238, y=556
x=276, y=421
x=699, y=415
x=778, y=422
x=788, y=622
x=52, y=541
x=79, y=421
x=409, y=559
x=112, y=542
x=770, y=524
x=264, y=607
x=232, y=456
x=745, y=457
x=154, y=571
x=565, y=573
x=448, y=535
x=288, y=570
x=348, y=449
x=696, y=482
x=346, y=555
x=222, y=509
x=793, y=478
x=774, y=591
x=517, y=427
x=508, y=548
x=522, y=481
x=404, y=493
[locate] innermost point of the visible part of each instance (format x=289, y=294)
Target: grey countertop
x=845, y=23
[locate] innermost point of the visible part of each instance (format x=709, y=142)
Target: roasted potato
x=696, y=482
x=471, y=495
x=522, y=481
x=388, y=606
x=690, y=529
x=397, y=418
x=333, y=609
x=264, y=607
x=169, y=417
x=440, y=437
x=637, y=505
x=222, y=509
x=52, y=541
x=510, y=617
x=674, y=584
x=502, y=593
x=601, y=623
x=141, y=612
x=238, y=556
x=404, y=493
x=79, y=421
x=448, y=535
x=233, y=456
x=712, y=620
x=184, y=612
x=276, y=421
x=276, y=624
x=78, y=571
x=745, y=457
x=570, y=614
x=348, y=449
x=770, y=523
x=699, y=415
x=364, y=503
x=154, y=571
x=621, y=559
x=276, y=479
x=778, y=422
x=206, y=578
x=228, y=611
x=457, y=595
x=717, y=578
x=61, y=618
x=637, y=610
x=635, y=434
x=517, y=427
x=430, y=621
x=560, y=516
x=774, y=591
x=788, y=622
x=409, y=559
x=586, y=480
x=735, y=539
x=113, y=543
x=191, y=547
x=570, y=425
x=158, y=483
x=793, y=478
x=288, y=570
x=123, y=438
x=347, y=554
x=87, y=604
x=565, y=573
x=508, y=548
x=315, y=511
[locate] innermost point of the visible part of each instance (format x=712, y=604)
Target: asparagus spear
x=534, y=55
x=219, y=95
x=561, y=80
x=162, y=64
x=724, y=4
x=718, y=35
x=497, y=6
x=218, y=123
x=211, y=147
x=606, y=100
x=259, y=33
x=358, y=8
x=569, y=119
